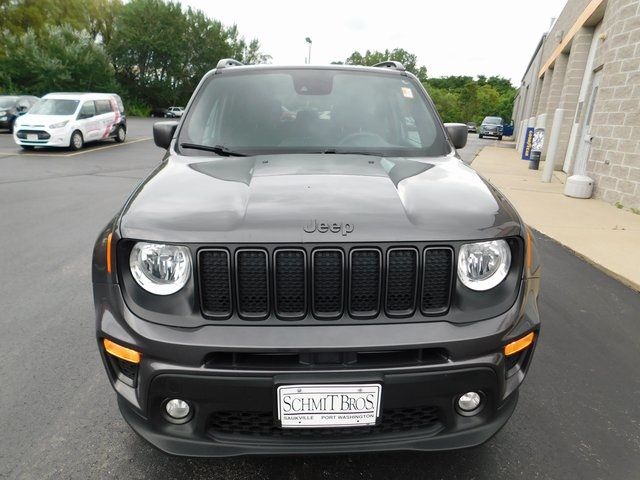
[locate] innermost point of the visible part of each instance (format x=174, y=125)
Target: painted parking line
x=81, y=152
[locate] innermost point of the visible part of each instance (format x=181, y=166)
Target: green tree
x=94, y=16
x=160, y=51
x=409, y=60
x=56, y=59
x=463, y=99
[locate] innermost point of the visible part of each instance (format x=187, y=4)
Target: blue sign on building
x=528, y=144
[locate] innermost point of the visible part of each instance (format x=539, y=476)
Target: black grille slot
x=328, y=288
x=253, y=283
x=402, y=280
x=261, y=424
x=436, y=281
x=364, y=291
x=290, y=283
x=215, y=280
x=128, y=369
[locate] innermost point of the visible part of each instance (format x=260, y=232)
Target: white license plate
x=32, y=136
x=323, y=406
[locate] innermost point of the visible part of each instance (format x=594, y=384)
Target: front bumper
x=46, y=137
x=490, y=133
x=234, y=405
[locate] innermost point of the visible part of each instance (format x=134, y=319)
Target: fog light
x=469, y=402
x=177, y=409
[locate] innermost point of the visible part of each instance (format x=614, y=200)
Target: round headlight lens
x=160, y=269
x=483, y=265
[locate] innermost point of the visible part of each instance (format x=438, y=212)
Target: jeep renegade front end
x=312, y=269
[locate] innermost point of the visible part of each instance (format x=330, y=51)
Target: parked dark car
x=11, y=107
x=159, y=112
x=333, y=281
x=492, y=127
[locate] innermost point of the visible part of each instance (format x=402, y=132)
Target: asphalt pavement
x=578, y=416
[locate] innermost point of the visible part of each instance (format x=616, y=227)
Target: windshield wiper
x=336, y=151
x=217, y=149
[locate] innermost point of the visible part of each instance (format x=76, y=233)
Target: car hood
x=34, y=120
x=288, y=198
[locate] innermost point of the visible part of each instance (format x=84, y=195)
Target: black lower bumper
x=235, y=416
x=430, y=365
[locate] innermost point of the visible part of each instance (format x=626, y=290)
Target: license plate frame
x=362, y=399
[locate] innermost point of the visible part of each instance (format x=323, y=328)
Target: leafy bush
x=136, y=109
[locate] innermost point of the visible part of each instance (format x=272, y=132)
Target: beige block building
x=583, y=87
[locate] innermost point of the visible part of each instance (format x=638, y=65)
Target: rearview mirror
x=457, y=133
x=163, y=133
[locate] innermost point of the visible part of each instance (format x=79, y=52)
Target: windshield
x=54, y=106
x=492, y=120
x=7, y=102
x=313, y=110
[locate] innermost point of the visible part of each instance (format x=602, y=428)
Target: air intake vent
x=253, y=283
x=364, y=283
x=328, y=288
x=436, y=281
x=290, y=283
x=215, y=283
x=402, y=281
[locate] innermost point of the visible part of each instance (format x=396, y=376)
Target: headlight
x=160, y=269
x=483, y=265
x=59, y=124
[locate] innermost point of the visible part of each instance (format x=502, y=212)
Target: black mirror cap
x=163, y=133
x=457, y=133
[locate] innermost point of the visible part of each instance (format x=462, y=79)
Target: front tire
x=121, y=134
x=499, y=137
x=480, y=136
x=76, y=142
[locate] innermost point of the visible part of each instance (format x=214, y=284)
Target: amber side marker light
x=519, y=345
x=109, y=252
x=121, y=352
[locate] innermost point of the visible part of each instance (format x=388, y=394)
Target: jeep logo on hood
x=333, y=227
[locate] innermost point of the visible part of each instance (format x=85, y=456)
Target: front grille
x=327, y=283
x=22, y=134
x=262, y=425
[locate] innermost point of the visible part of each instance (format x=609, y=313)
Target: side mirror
x=21, y=109
x=163, y=133
x=457, y=133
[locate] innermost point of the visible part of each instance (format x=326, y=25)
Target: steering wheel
x=351, y=140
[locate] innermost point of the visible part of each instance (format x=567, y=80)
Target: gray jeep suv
x=312, y=269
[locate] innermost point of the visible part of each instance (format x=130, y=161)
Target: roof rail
x=391, y=64
x=228, y=62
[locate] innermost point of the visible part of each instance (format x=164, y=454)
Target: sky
x=450, y=37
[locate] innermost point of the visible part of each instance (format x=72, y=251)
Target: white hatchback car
x=70, y=120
